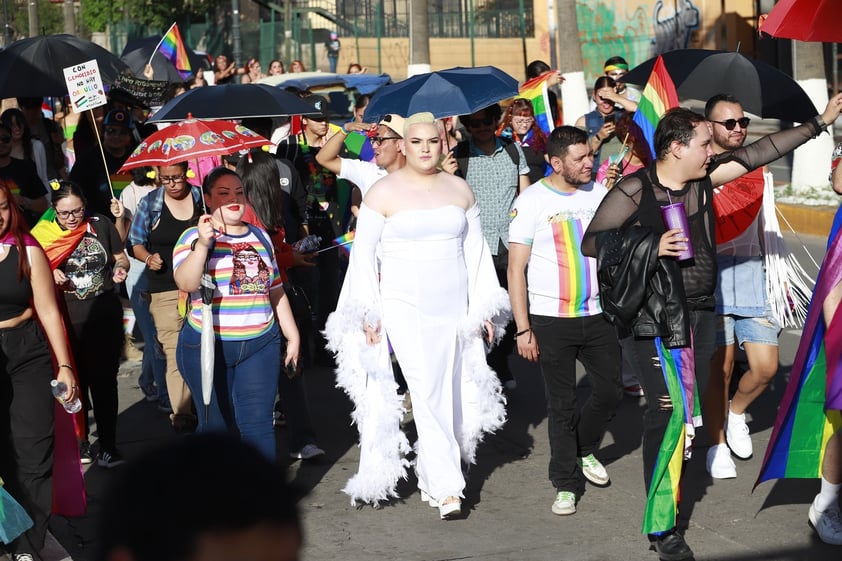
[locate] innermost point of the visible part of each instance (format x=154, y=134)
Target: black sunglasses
x=480, y=122
x=731, y=123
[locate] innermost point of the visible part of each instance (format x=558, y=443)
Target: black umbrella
x=233, y=101
x=138, y=52
x=34, y=67
x=761, y=89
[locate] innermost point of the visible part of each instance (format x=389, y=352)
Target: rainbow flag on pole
x=810, y=409
x=535, y=90
x=172, y=47
x=678, y=368
x=658, y=95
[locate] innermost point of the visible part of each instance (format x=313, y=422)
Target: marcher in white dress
x=436, y=295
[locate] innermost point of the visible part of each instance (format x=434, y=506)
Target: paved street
x=508, y=497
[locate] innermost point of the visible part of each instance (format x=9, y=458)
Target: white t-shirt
x=561, y=282
x=360, y=173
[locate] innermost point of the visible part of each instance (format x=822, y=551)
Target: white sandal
x=450, y=507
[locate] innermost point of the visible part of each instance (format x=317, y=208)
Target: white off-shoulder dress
x=430, y=285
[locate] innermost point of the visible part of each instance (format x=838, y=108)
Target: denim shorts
x=763, y=330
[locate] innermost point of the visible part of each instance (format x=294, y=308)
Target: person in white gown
x=438, y=300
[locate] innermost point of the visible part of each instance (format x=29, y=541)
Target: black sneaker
x=109, y=459
x=672, y=547
x=85, y=454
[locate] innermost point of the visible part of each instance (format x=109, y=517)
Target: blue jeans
x=154, y=364
x=245, y=382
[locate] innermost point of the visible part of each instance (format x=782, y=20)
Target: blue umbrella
x=456, y=91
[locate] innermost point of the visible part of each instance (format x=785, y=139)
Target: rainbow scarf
x=172, y=47
x=658, y=96
x=810, y=410
x=57, y=242
x=536, y=91
x=679, y=372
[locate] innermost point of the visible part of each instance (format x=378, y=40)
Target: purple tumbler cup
x=675, y=217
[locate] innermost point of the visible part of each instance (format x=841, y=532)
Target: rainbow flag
x=535, y=90
x=678, y=368
x=658, y=95
x=172, y=47
x=344, y=242
x=58, y=243
x=810, y=409
x=359, y=145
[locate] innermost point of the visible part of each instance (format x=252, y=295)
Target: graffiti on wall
x=633, y=29
x=673, y=31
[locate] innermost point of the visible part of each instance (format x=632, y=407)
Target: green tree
x=157, y=15
x=50, y=19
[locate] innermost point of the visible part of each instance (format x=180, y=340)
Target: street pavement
x=508, y=497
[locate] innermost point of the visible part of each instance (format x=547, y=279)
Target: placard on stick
x=84, y=84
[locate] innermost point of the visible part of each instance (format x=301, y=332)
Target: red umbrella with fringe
x=192, y=139
x=737, y=204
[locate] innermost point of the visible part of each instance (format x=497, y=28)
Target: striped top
x=244, y=271
x=561, y=282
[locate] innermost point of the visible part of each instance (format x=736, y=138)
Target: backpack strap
x=462, y=156
x=514, y=154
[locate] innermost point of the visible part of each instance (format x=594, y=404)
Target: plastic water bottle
x=308, y=244
x=59, y=390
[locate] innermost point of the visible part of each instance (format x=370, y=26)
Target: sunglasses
x=480, y=122
x=5, y=139
x=381, y=139
x=731, y=123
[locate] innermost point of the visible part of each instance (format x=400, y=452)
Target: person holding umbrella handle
x=248, y=305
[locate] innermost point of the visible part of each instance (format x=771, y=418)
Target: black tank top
x=162, y=241
x=15, y=294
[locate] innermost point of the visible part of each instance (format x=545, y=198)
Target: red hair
x=522, y=107
x=18, y=230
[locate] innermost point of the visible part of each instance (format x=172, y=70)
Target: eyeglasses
x=731, y=123
x=65, y=214
x=172, y=178
x=117, y=130
x=479, y=122
x=5, y=139
x=382, y=139
x=523, y=120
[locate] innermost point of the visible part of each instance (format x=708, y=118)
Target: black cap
x=321, y=106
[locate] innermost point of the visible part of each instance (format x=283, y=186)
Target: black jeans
x=498, y=357
x=572, y=433
x=26, y=427
x=96, y=338
x=655, y=419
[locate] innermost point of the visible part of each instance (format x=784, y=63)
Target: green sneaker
x=565, y=503
x=594, y=471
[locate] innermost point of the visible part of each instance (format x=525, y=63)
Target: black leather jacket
x=638, y=290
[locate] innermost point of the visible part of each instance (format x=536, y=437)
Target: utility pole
x=573, y=89
x=235, y=37
x=811, y=161
x=33, y=18
x=69, y=17
x=419, y=39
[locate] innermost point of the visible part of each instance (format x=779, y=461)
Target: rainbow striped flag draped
x=172, y=47
x=536, y=91
x=679, y=372
x=810, y=409
x=359, y=145
x=658, y=95
x=58, y=243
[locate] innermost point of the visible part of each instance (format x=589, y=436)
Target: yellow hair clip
x=55, y=185
x=151, y=174
x=265, y=148
x=190, y=174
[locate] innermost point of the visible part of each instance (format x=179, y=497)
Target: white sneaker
x=309, y=452
x=828, y=523
x=565, y=503
x=719, y=462
x=737, y=435
x=594, y=470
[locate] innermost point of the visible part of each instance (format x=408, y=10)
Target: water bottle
x=308, y=244
x=59, y=390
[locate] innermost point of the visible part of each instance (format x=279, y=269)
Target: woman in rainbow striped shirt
x=249, y=304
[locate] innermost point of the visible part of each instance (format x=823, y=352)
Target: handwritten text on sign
x=84, y=84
